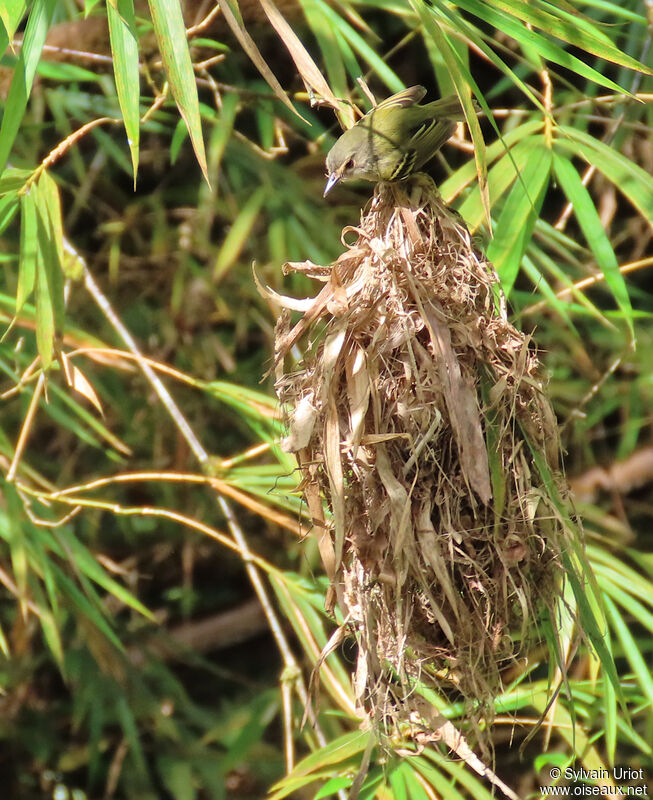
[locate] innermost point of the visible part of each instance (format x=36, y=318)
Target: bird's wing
x=407, y=97
x=429, y=137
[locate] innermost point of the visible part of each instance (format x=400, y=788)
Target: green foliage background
x=144, y=490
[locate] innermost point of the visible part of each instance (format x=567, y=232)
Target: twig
x=204, y=24
x=26, y=428
x=162, y=393
x=54, y=155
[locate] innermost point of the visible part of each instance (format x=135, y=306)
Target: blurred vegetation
x=160, y=614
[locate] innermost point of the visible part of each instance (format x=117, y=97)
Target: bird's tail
x=448, y=108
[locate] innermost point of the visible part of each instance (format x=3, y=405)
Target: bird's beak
x=331, y=182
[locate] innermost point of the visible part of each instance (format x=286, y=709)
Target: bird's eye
x=350, y=164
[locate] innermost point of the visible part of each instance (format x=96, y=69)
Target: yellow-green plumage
x=394, y=139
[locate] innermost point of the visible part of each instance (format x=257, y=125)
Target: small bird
x=394, y=139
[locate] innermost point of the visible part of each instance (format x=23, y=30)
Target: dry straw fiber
x=418, y=415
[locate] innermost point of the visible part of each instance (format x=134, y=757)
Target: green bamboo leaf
x=578, y=30
x=89, y=5
x=478, y=38
x=83, y=560
x=28, y=251
x=592, y=228
x=543, y=260
x=40, y=539
x=239, y=233
x=49, y=265
x=616, y=10
x=4, y=645
x=416, y=789
x=332, y=787
x=309, y=628
x=631, y=649
x=581, y=579
x=630, y=604
x=86, y=604
x=66, y=72
x=444, y=786
x=11, y=14
x=463, y=176
x=132, y=736
x=541, y=284
x=360, y=46
x=628, y=578
x=328, y=42
x=500, y=177
x=13, y=180
x=633, y=181
x=547, y=49
x=35, y=32
x=518, y=216
x=398, y=785
x=44, y=314
x=14, y=535
x=294, y=783
x=458, y=771
x=4, y=39
x=335, y=752
x=124, y=49
x=177, y=775
x=462, y=79
x=62, y=418
x=50, y=630
x=573, y=734
x=170, y=34
x=235, y=22
x=48, y=204
x=610, y=716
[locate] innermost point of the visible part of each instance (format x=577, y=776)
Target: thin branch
x=26, y=428
x=162, y=393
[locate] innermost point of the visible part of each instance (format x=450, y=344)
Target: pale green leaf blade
x=44, y=312
x=48, y=205
x=35, y=32
x=518, y=216
x=11, y=13
x=461, y=79
x=631, y=180
x=171, y=37
x=530, y=38
x=462, y=177
x=238, y=233
x=124, y=48
x=630, y=647
x=578, y=31
x=28, y=251
x=337, y=751
x=360, y=46
x=49, y=266
x=9, y=205
x=592, y=228
x=475, y=35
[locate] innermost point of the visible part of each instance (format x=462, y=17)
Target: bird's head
x=351, y=157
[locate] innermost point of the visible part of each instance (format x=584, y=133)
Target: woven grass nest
x=418, y=413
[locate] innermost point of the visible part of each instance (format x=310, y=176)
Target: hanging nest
x=418, y=413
